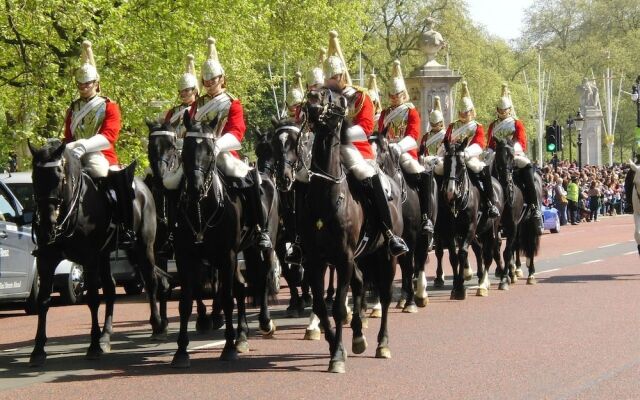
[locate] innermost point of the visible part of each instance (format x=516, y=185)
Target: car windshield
x=24, y=194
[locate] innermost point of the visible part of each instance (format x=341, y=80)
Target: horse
x=412, y=263
x=164, y=160
x=336, y=209
x=513, y=211
x=458, y=213
x=636, y=202
x=74, y=219
x=211, y=226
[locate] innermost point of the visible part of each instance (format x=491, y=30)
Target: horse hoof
x=468, y=274
x=438, y=282
x=337, y=367
x=375, y=313
x=312, y=334
x=359, y=345
x=37, y=359
x=482, y=292
x=105, y=347
x=410, y=309
x=383, y=352
x=217, y=321
x=519, y=273
x=159, y=336
x=532, y=280
x=93, y=353
x=181, y=360
x=422, y=301
x=458, y=294
x=229, y=354
x=306, y=300
x=242, y=346
x=268, y=333
x=503, y=286
x=514, y=279
x=203, y=324
x=401, y=304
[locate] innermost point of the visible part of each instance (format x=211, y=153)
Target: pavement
x=571, y=336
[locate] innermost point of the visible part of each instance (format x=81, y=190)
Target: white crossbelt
x=216, y=103
x=175, y=117
x=87, y=108
x=399, y=112
x=468, y=127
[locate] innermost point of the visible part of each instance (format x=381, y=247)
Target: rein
x=315, y=170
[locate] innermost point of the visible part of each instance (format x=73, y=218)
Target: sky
x=502, y=18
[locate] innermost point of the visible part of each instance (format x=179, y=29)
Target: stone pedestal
x=592, y=136
x=428, y=81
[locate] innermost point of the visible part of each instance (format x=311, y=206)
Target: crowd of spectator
x=584, y=195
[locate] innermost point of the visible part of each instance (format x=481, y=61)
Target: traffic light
x=551, y=139
x=559, y=137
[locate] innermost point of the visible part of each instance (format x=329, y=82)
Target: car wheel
x=31, y=305
x=133, y=288
x=73, y=289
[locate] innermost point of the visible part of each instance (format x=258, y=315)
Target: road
x=574, y=335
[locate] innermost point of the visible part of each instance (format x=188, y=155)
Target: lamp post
x=635, y=97
x=579, y=121
x=569, y=128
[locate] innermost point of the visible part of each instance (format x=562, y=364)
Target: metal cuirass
x=91, y=122
x=211, y=108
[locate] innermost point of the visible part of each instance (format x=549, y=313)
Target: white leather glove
x=78, y=150
x=395, y=149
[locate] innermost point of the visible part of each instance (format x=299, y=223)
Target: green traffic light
x=551, y=147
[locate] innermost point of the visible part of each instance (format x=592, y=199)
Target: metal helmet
x=396, y=85
x=505, y=100
x=87, y=72
x=436, y=114
x=296, y=93
x=188, y=79
x=335, y=63
x=316, y=75
x=211, y=67
x=465, y=104
x=372, y=87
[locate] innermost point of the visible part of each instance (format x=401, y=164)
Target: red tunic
x=520, y=135
x=235, y=122
x=364, y=117
x=412, y=127
x=478, y=136
x=110, y=129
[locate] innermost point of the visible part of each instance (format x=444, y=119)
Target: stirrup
x=294, y=257
x=127, y=238
x=492, y=210
x=397, y=246
x=263, y=240
x=427, y=225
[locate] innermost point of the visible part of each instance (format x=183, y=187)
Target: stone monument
x=432, y=79
x=591, y=150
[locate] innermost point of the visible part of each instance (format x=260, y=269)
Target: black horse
x=336, y=210
x=211, y=226
x=457, y=214
x=74, y=221
x=413, y=262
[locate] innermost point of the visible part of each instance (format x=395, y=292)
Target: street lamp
x=635, y=97
x=569, y=128
x=579, y=121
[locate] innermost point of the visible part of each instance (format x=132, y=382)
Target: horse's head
x=162, y=150
x=455, y=171
x=55, y=173
x=504, y=156
x=388, y=160
x=327, y=109
x=198, y=158
x=284, y=140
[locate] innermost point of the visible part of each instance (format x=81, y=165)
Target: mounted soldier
x=434, y=137
x=91, y=129
x=507, y=126
x=219, y=106
x=295, y=97
x=188, y=93
x=401, y=121
x=374, y=93
x=466, y=127
x=356, y=153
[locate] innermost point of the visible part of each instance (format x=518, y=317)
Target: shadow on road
x=590, y=278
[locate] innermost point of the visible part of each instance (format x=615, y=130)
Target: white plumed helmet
x=505, y=100
x=188, y=79
x=316, y=75
x=396, y=85
x=465, y=104
x=436, y=114
x=87, y=72
x=212, y=67
x=335, y=63
x=296, y=93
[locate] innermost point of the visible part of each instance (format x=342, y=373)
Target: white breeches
x=231, y=166
x=474, y=164
x=355, y=163
x=95, y=164
x=521, y=160
x=410, y=165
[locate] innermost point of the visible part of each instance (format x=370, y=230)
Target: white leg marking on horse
x=421, y=289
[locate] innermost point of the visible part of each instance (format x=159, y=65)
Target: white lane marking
x=548, y=270
x=592, y=261
x=608, y=245
x=208, y=345
x=628, y=253
x=573, y=252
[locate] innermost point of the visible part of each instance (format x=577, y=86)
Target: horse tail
x=529, y=238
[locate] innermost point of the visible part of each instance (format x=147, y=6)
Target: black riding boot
x=424, y=194
x=530, y=195
x=254, y=201
x=487, y=191
x=373, y=186
x=121, y=182
x=628, y=191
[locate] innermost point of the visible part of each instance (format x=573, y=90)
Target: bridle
x=64, y=226
x=328, y=111
x=283, y=134
x=170, y=158
x=462, y=185
x=505, y=171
